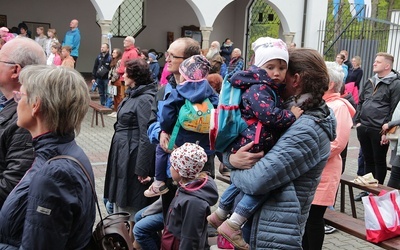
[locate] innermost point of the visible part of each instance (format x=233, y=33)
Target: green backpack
x=193, y=117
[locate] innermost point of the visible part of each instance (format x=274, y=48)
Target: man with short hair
x=130, y=52
x=16, y=151
x=73, y=39
x=215, y=59
x=377, y=101
x=100, y=71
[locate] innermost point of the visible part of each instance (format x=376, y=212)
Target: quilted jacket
x=289, y=174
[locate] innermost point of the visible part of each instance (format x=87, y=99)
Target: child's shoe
x=156, y=190
x=214, y=220
x=233, y=234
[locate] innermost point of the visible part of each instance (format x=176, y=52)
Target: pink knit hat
x=188, y=160
x=195, y=68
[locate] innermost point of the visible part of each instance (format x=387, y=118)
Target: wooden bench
x=98, y=109
x=225, y=179
x=356, y=227
x=347, y=180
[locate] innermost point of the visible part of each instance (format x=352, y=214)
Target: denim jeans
x=245, y=207
x=145, y=230
x=361, y=163
x=102, y=87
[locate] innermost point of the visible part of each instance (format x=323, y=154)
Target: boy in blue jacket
x=195, y=88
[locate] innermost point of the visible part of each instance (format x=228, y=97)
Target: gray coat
x=289, y=174
x=131, y=153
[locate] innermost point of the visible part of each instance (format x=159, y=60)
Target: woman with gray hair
x=53, y=206
x=325, y=194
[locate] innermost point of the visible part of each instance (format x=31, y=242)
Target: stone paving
x=96, y=143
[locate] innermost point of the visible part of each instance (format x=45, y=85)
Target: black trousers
x=374, y=152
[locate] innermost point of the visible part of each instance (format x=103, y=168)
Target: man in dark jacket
x=16, y=151
x=378, y=99
x=100, y=72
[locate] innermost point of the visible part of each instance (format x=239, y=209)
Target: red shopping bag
x=382, y=216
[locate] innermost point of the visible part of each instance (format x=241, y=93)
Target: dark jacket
x=195, y=92
x=16, y=151
x=260, y=102
x=289, y=174
x=186, y=219
x=131, y=153
x=53, y=206
x=226, y=52
x=101, y=60
x=378, y=100
x=154, y=122
x=355, y=75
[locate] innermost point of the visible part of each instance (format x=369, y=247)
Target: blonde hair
x=200, y=175
x=387, y=56
x=53, y=31
x=63, y=95
x=67, y=48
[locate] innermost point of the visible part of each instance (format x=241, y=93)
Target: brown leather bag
x=110, y=233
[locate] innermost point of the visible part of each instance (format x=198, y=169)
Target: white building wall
x=161, y=17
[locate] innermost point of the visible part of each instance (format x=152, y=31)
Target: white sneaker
x=329, y=229
x=113, y=114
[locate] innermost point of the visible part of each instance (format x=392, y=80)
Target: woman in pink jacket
x=325, y=194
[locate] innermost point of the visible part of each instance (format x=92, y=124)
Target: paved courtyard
x=96, y=143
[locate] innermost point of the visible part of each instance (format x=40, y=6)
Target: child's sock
x=158, y=183
x=237, y=219
x=222, y=213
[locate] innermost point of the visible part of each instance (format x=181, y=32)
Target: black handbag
x=112, y=232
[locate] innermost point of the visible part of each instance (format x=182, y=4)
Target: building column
x=206, y=32
x=289, y=36
x=105, y=26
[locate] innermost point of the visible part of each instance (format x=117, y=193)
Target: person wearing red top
x=130, y=53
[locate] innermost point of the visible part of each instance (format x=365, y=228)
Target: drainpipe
x=304, y=22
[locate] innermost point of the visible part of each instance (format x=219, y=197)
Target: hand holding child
x=296, y=111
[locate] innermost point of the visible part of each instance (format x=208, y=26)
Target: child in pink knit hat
x=267, y=118
x=195, y=88
x=186, y=224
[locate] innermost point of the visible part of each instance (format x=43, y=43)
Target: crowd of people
x=57, y=53
x=285, y=166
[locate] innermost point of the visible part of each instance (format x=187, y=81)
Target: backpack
x=193, y=117
x=226, y=121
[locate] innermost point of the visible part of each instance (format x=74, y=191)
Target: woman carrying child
x=263, y=110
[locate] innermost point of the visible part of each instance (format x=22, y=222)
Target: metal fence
x=350, y=28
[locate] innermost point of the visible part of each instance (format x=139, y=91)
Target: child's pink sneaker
x=233, y=234
x=214, y=220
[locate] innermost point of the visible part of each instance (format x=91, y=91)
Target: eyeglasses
x=18, y=95
x=167, y=54
x=6, y=62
